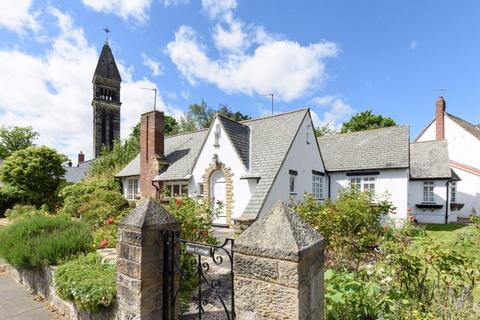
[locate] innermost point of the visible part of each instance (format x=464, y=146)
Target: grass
x=446, y=234
x=43, y=240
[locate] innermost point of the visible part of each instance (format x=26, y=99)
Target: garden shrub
x=9, y=196
x=99, y=203
x=25, y=211
x=87, y=281
x=351, y=226
x=43, y=240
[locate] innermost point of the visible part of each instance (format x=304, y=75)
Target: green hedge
x=43, y=240
x=87, y=281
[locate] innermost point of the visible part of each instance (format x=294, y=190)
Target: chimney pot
x=81, y=157
x=440, y=107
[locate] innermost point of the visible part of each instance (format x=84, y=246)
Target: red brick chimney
x=152, y=157
x=81, y=157
x=440, y=106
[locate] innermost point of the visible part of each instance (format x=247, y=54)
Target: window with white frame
x=175, y=189
x=317, y=186
x=217, y=134
x=293, y=177
x=428, y=195
x=363, y=184
x=356, y=183
x=453, y=192
x=132, y=191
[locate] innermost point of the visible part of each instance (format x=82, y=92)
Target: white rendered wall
x=303, y=157
x=468, y=193
x=227, y=155
x=393, y=182
x=415, y=196
x=464, y=148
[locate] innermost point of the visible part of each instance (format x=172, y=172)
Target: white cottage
x=464, y=153
x=374, y=160
x=243, y=168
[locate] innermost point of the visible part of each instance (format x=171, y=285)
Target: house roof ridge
x=364, y=131
x=428, y=141
x=275, y=115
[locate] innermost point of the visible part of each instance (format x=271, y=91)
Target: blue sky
x=337, y=57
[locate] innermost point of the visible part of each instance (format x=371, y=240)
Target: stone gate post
x=146, y=254
x=279, y=268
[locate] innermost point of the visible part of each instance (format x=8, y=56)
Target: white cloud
x=17, y=16
x=219, y=8
x=174, y=2
x=338, y=111
x=52, y=92
x=282, y=67
x=413, y=45
x=233, y=39
x=135, y=9
x=155, y=67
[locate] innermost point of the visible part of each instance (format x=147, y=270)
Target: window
x=369, y=185
x=200, y=189
x=176, y=189
x=428, y=191
x=132, y=189
x=317, y=186
x=293, y=177
x=363, y=184
x=217, y=134
x=356, y=183
x=453, y=192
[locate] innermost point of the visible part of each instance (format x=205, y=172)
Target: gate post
x=148, y=250
x=279, y=268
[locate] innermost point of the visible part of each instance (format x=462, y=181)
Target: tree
x=324, y=130
x=37, y=172
x=171, y=126
x=15, y=138
x=198, y=116
x=367, y=120
x=237, y=116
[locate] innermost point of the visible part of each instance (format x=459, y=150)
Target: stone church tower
x=106, y=102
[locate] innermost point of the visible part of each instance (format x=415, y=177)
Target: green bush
x=87, y=281
x=351, y=226
x=43, y=240
x=9, y=196
x=25, y=211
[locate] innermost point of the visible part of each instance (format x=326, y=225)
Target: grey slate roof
x=385, y=148
x=472, y=129
x=181, y=152
x=239, y=135
x=271, y=138
x=131, y=169
x=76, y=174
x=430, y=160
x=106, y=66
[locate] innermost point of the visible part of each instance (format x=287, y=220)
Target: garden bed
x=40, y=282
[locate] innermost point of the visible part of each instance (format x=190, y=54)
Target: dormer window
x=217, y=135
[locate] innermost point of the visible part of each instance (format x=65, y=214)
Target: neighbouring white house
x=432, y=187
x=464, y=154
x=376, y=161
x=243, y=168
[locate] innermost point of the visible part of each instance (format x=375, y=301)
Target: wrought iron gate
x=206, y=256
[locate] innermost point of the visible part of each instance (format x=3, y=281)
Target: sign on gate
x=198, y=249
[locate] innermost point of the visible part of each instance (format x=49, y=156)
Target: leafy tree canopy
x=367, y=120
x=171, y=126
x=324, y=130
x=15, y=138
x=200, y=116
x=35, y=171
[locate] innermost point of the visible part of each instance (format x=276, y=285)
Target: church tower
x=106, y=102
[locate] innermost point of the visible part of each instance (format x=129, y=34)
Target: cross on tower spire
x=107, y=31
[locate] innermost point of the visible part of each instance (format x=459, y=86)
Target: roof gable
x=470, y=128
x=239, y=135
x=385, y=148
